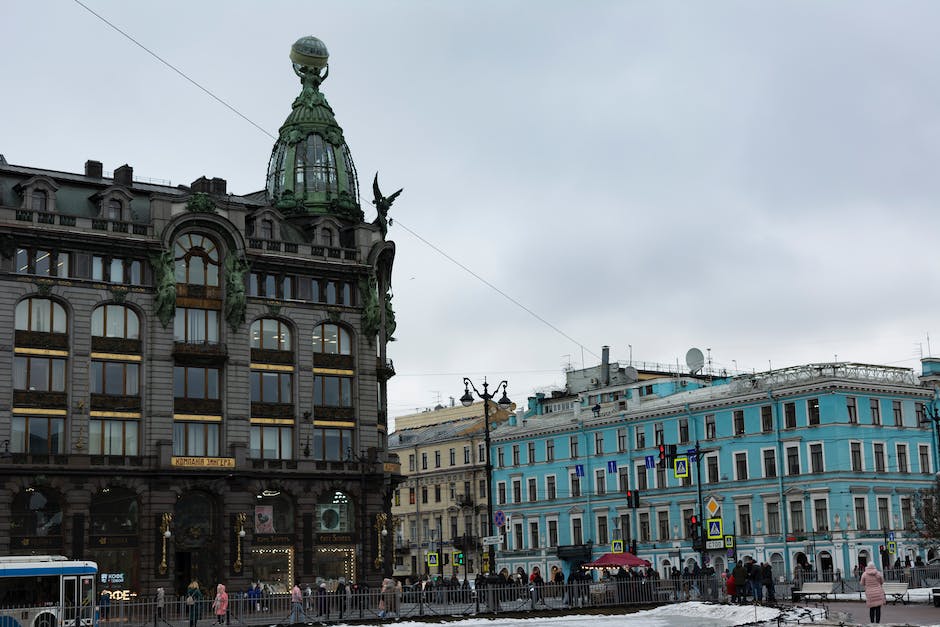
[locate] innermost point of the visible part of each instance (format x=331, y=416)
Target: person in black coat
x=767, y=579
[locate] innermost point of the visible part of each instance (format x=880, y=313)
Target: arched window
x=36, y=512
x=115, y=210
x=270, y=334
x=315, y=166
x=40, y=315
x=39, y=200
x=115, y=321
x=197, y=260
x=114, y=511
x=331, y=339
x=326, y=236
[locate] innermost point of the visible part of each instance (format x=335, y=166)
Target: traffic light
x=633, y=546
x=662, y=456
x=633, y=498
x=459, y=558
x=695, y=531
x=671, y=451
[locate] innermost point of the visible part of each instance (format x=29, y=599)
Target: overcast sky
x=755, y=178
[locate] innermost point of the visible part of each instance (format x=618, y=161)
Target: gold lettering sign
x=334, y=538
x=203, y=462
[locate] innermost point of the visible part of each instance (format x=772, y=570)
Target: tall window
x=573, y=445
x=196, y=326
x=115, y=210
x=315, y=165
x=902, y=458
x=923, y=455
x=766, y=418
x=793, y=460
x=532, y=484
x=196, y=439
x=39, y=200
x=640, y=437
x=658, y=434
x=878, y=450
x=711, y=464
x=738, y=421
x=550, y=488
x=575, y=485
x=196, y=260
x=773, y=518
x=883, y=517
x=770, y=463
x=530, y=457
x=875, y=406
x=552, y=533
x=329, y=391
x=851, y=408
x=744, y=519
x=821, y=511
x=816, y=457
x=549, y=450
x=599, y=443
x=662, y=522
x=577, y=535
x=331, y=339
x=856, y=452
x=789, y=415
x=812, y=411
x=600, y=487
x=602, y=533
x=622, y=439
x=740, y=466
x=516, y=491
x=861, y=518
x=797, y=524
x=898, y=414
x=641, y=480
x=710, y=429
x=270, y=334
x=683, y=430
x=515, y=454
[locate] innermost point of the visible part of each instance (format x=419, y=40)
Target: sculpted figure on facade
x=235, y=302
x=165, y=282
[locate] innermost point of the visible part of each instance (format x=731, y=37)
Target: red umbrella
x=613, y=560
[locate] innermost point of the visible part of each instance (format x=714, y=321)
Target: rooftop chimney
x=217, y=186
x=201, y=185
x=93, y=169
x=124, y=175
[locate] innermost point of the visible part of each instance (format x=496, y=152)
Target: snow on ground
x=673, y=615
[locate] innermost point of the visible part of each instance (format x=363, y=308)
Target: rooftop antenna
x=709, y=351
x=630, y=348
x=695, y=360
x=568, y=367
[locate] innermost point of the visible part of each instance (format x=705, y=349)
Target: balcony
x=385, y=371
x=205, y=352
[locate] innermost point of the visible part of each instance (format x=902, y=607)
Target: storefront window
x=334, y=514
x=274, y=513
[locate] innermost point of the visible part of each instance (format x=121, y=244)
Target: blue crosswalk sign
x=681, y=467
x=579, y=470
x=714, y=529
x=612, y=466
x=650, y=461
x=691, y=453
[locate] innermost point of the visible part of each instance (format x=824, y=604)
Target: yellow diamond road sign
x=712, y=506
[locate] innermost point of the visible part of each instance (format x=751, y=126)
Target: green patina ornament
x=44, y=286
x=390, y=324
x=201, y=203
x=118, y=293
x=235, y=301
x=164, y=279
x=371, y=315
x=273, y=308
x=334, y=315
x=344, y=205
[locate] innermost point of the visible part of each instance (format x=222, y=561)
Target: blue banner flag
x=579, y=470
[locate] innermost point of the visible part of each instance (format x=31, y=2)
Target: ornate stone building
x=192, y=382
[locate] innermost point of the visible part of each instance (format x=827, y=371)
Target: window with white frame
x=662, y=523
x=600, y=482
x=816, y=458
x=533, y=534
x=711, y=468
x=744, y=519
x=797, y=524
x=549, y=450
x=532, y=483
x=770, y=462
x=577, y=534
x=603, y=536
x=875, y=406
x=861, y=517
x=550, y=491
x=855, y=449
x=740, y=466
x=923, y=454
x=821, y=514
x=793, y=460
x=552, y=532
x=902, y=458
x=884, y=517
x=573, y=446
x=812, y=411
x=622, y=439
x=575, y=485
x=773, y=517
x=710, y=429
x=516, y=491
x=878, y=454
x=599, y=443
x=640, y=434
x=658, y=434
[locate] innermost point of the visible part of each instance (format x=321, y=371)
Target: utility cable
x=175, y=69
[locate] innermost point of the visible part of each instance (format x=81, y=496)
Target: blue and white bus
x=47, y=591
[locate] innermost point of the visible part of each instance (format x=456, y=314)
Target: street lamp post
x=504, y=403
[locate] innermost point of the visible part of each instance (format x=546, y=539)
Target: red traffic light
x=694, y=519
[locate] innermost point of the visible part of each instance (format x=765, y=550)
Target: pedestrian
x=872, y=581
x=535, y=586
x=104, y=603
x=767, y=579
x=740, y=582
x=341, y=596
x=296, y=603
x=220, y=605
x=160, y=606
x=193, y=597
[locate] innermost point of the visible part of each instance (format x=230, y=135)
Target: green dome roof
x=311, y=171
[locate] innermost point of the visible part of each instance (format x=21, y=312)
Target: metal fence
x=429, y=600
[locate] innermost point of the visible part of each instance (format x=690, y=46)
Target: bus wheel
x=46, y=620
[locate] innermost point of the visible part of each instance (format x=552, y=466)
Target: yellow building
x=440, y=508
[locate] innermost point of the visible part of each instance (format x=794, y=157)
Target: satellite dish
x=695, y=360
x=631, y=374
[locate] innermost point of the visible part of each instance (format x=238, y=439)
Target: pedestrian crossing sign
x=892, y=546
x=680, y=467
x=714, y=529
x=432, y=559
x=616, y=546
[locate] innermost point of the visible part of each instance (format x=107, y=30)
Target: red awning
x=613, y=560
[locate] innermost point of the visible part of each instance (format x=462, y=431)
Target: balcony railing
x=53, y=218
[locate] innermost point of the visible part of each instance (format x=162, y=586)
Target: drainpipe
x=784, y=510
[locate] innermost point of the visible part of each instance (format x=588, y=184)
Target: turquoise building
x=817, y=465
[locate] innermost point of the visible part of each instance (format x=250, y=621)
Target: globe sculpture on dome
x=310, y=56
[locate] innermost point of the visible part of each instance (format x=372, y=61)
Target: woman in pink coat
x=874, y=594
x=220, y=604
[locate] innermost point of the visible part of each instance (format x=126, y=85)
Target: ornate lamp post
x=504, y=403
x=166, y=534
x=240, y=519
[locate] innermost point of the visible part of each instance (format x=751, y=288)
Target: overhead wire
x=231, y=108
